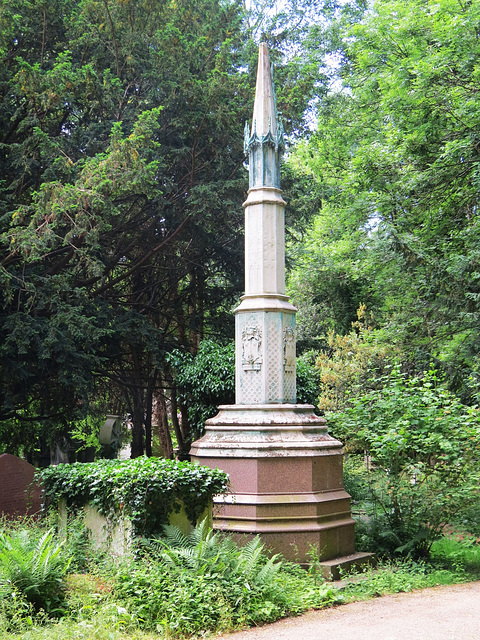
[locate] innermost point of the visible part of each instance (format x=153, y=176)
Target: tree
x=122, y=183
x=396, y=154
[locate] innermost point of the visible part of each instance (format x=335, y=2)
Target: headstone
x=18, y=495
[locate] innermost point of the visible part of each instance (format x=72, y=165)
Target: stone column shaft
x=265, y=320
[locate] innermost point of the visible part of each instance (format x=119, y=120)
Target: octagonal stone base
x=286, y=475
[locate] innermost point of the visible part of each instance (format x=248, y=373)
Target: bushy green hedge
x=146, y=490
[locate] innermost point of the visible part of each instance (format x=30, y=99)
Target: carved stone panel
x=289, y=349
x=251, y=348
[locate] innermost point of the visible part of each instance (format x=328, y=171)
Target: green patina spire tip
x=265, y=142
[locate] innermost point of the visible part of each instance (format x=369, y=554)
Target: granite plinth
x=286, y=479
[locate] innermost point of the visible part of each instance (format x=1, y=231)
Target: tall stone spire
x=264, y=109
x=265, y=143
x=265, y=320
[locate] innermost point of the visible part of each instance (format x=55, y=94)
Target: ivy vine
x=145, y=490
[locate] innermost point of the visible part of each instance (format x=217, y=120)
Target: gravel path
x=441, y=613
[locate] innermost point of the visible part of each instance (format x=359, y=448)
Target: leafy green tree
x=121, y=186
x=395, y=160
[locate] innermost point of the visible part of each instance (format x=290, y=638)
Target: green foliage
x=460, y=553
x=205, y=380
x=424, y=448
x=173, y=588
x=346, y=364
x=146, y=490
x=77, y=543
x=356, y=479
x=394, y=170
x=308, y=378
x=166, y=588
x=121, y=190
x=109, y=622
x=399, y=576
x=33, y=568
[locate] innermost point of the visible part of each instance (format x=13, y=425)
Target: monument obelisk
x=285, y=469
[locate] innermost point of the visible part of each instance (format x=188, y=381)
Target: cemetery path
x=441, y=613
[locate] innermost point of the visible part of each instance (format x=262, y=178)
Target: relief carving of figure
x=289, y=349
x=251, y=349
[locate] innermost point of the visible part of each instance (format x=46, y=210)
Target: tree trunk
x=148, y=421
x=161, y=425
x=137, y=422
x=175, y=422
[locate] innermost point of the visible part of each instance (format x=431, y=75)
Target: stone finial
x=264, y=110
x=265, y=143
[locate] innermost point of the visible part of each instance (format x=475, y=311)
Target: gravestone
x=18, y=495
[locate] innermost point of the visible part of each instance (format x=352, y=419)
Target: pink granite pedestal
x=286, y=479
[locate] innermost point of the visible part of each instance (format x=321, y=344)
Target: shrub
x=345, y=370
x=308, y=378
x=146, y=490
x=204, y=381
x=424, y=447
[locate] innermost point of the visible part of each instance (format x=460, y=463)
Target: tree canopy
x=121, y=180
x=395, y=159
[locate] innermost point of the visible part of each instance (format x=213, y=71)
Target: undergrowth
x=182, y=586
x=172, y=588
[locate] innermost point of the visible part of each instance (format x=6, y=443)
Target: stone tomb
x=18, y=495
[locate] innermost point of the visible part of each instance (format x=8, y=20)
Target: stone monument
x=285, y=469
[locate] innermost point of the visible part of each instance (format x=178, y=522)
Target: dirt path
x=441, y=613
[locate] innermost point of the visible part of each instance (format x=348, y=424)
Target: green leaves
x=424, y=449
x=395, y=157
x=35, y=566
x=173, y=585
x=205, y=381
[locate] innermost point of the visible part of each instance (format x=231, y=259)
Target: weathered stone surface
x=18, y=496
x=115, y=536
x=284, y=467
x=286, y=474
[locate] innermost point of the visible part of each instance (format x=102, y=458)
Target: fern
x=174, y=537
x=205, y=552
x=35, y=567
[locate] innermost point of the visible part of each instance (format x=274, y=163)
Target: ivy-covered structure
x=144, y=491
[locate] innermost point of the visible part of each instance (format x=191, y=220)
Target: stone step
x=333, y=569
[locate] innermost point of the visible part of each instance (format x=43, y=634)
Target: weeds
x=173, y=588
